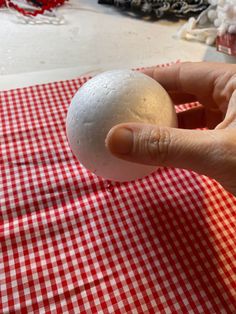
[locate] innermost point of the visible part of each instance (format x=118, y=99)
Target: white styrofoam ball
x=106, y=100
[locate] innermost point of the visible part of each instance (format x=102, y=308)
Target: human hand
x=210, y=152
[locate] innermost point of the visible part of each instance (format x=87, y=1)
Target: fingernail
x=120, y=141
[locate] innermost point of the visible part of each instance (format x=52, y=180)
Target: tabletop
x=93, y=38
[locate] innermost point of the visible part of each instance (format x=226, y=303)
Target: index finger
x=195, y=78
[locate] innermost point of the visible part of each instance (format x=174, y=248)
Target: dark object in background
x=161, y=8
x=106, y=1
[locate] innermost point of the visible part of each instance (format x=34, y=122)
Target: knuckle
x=155, y=142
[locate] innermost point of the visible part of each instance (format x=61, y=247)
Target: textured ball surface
x=109, y=99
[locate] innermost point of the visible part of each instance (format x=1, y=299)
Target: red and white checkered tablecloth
x=74, y=243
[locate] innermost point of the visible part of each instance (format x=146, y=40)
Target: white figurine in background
x=226, y=16
x=217, y=19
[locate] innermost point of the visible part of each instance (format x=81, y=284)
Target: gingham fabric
x=74, y=243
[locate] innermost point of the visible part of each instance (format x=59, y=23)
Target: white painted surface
x=95, y=38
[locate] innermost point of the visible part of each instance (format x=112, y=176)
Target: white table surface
x=93, y=39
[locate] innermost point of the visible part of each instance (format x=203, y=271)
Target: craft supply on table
x=106, y=100
x=227, y=44
x=217, y=20
x=207, y=20
x=160, y=8
x=35, y=11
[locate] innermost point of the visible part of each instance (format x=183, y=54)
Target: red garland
x=42, y=6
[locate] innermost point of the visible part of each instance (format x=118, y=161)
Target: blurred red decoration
x=40, y=6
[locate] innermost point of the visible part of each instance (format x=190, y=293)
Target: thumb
x=163, y=146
